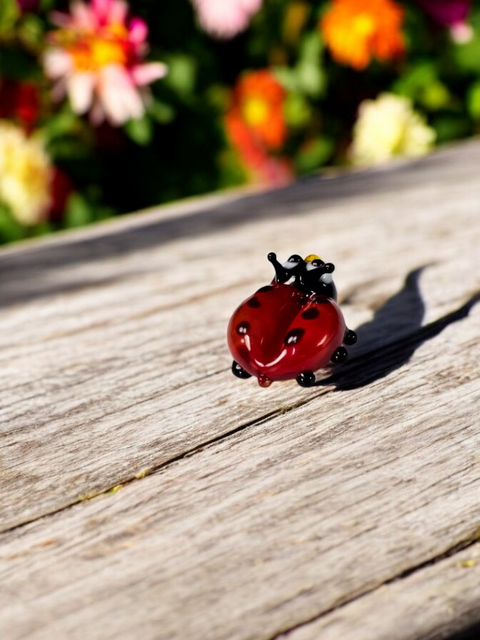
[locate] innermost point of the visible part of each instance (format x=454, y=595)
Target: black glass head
x=292, y=267
x=317, y=278
x=311, y=277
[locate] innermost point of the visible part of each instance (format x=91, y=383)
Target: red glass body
x=280, y=332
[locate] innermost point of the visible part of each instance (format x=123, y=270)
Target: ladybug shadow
x=389, y=340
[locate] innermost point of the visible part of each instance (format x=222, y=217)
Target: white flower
x=25, y=174
x=388, y=127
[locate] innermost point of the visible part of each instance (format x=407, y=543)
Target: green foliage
x=78, y=212
x=9, y=13
x=314, y=154
x=140, y=130
x=10, y=229
x=296, y=110
x=467, y=56
x=31, y=32
x=17, y=63
x=182, y=72
x=309, y=71
x=451, y=126
x=162, y=113
x=473, y=100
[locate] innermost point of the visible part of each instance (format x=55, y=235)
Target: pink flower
x=225, y=18
x=96, y=58
x=452, y=14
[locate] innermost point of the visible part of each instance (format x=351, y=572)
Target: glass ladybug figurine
x=292, y=327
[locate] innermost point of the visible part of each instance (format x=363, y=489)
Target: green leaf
x=308, y=76
x=232, y=170
x=311, y=79
x=296, y=110
x=78, y=211
x=287, y=78
x=182, y=74
x=473, y=100
x=218, y=97
x=311, y=47
x=449, y=126
x=421, y=84
x=42, y=229
x=47, y=5
x=9, y=13
x=161, y=112
x=10, y=228
x=467, y=55
x=435, y=96
x=31, y=30
x=414, y=81
x=314, y=154
x=140, y=130
x=67, y=147
x=61, y=124
x=309, y=68
x=103, y=213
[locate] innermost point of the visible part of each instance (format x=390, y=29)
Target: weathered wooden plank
x=264, y=509
x=435, y=602
x=275, y=524
x=112, y=347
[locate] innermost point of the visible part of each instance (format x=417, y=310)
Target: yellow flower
x=388, y=127
x=25, y=174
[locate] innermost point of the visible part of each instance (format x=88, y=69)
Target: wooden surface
x=147, y=493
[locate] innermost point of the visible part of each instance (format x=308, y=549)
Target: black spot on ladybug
x=254, y=303
x=311, y=314
x=243, y=328
x=268, y=287
x=293, y=337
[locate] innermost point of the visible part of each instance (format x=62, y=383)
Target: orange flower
x=355, y=31
x=261, y=167
x=256, y=126
x=258, y=101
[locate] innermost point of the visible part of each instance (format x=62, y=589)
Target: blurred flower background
x=108, y=107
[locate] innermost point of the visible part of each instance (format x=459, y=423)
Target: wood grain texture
x=245, y=513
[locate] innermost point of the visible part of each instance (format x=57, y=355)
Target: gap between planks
x=310, y=630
